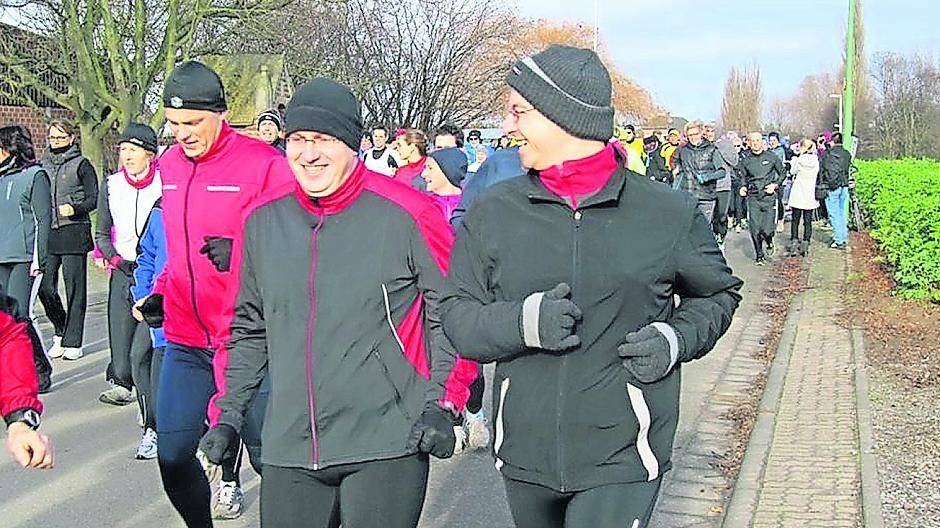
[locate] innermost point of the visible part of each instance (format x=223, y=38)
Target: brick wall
x=34, y=120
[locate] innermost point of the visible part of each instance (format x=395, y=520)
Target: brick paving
x=811, y=474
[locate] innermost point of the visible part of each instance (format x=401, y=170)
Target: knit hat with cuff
x=571, y=87
x=326, y=106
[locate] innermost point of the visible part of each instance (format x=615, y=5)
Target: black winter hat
x=453, y=163
x=571, y=87
x=326, y=106
x=141, y=135
x=194, y=86
x=272, y=116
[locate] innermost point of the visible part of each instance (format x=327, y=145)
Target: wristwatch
x=29, y=417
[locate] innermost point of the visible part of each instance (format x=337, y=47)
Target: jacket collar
x=611, y=190
x=339, y=200
x=143, y=182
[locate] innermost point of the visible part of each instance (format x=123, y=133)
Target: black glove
x=219, y=251
x=434, y=432
x=647, y=353
x=220, y=444
x=548, y=320
x=152, y=310
x=127, y=267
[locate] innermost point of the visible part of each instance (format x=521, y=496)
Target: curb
x=743, y=505
x=868, y=459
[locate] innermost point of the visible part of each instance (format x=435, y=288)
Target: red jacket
x=211, y=196
x=19, y=384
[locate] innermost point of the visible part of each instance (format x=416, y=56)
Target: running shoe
x=478, y=434
x=116, y=395
x=761, y=261
x=56, y=350
x=147, y=449
x=72, y=353
x=836, y=245
x=227, y=501
x=771, y=249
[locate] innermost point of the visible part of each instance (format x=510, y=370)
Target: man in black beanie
x=364, y=385
x=212, y=178
x=269, y=129
x=565, y=278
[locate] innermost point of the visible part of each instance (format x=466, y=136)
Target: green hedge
x=902, y=198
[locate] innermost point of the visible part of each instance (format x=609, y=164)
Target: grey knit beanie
x=571, y=87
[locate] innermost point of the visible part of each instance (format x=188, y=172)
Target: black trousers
x=720, y=216
x=628, y=505
x=739, y=207
x=807, y=216
x=761, y=222
x=16, y=281
x=68, y=320
x=375, y=494
x=131, y=347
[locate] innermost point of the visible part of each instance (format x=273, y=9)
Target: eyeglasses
x=300, y=141
x=58, y=138
x=515, y=111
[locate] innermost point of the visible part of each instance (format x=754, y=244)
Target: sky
x=681, y=50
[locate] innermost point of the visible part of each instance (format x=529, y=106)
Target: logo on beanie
x=176, y=102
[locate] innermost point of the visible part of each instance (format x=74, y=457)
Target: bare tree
x=107, y=55
x=908, y=106
x=741, y=107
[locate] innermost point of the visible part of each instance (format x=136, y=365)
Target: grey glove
x=650, y=353
x=548, y=320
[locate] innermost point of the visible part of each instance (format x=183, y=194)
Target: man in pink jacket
x=212, y=178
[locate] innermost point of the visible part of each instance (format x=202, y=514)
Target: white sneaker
x=227, y=501
x=72, y=353
x=460, y=435
x=56, y=350
x=147, y=449
x=478, y=434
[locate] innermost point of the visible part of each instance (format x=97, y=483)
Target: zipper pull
x=577, y=217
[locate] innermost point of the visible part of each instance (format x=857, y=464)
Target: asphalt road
x=98, y=483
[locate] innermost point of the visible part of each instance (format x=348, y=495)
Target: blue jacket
x=151, y=259
x=502, y=165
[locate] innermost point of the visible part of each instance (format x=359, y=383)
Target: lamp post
x=839, y=97
x=595, y=26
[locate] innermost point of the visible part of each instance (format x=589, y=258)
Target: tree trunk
x=92, y=146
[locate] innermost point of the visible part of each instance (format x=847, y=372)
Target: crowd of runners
x=320, y=297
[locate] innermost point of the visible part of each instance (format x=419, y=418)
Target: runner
x=353, y=417
x=412, y=147
x=444, y=173
x=698, y=168
x=633, y=145
x=125, y=199
x=802, y=200
x=380, y=158
x=212, y=178
x=19, y=402
x=269, y=129
x=25, y=215
x=557, y=273
x=762, y=172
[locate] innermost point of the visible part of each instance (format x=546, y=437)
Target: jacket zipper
x=189, y=259
x=562, y=372
x=310, y=321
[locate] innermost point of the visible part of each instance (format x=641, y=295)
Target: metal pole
x=595, y=26
x=849, y=108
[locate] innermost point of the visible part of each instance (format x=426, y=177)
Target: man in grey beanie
x=565, y=278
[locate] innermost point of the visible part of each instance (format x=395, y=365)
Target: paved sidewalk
x=801, y=467
x=695, y=492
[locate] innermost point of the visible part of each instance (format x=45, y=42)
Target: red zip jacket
x=18, y=382
x=211, y=196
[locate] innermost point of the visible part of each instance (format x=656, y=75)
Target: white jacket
x=805, y=169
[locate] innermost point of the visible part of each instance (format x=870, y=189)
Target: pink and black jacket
x=211, y=196
x=339, y=303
